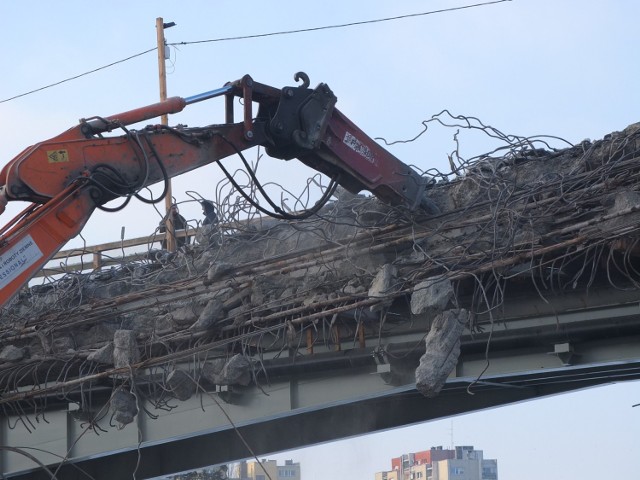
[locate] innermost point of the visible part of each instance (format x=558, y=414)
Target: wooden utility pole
x=170, y=232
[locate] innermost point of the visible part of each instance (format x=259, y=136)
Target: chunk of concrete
x=217, y=271
x=124, y=406
x=627, y=205
x=431, y=295
x=62, y=345
x=442, y=351
x=11, y=353
x=212, y=369
x=213, y=312
x=125, y=348
x=103, y=355
x=181, y=385
x=184, y=315
x=235, y=371
x=383, y=284
x=626, y=200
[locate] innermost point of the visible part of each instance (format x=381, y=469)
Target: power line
x=341, y=25
x=260, y=35
x=77, y=76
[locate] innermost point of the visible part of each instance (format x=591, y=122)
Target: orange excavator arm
x=68, y=176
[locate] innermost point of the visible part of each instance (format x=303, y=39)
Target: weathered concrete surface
x=431, y=295
x=124, y=407
x=181, y=385
x=442, y=349
x=383, y=285
x=11, y=353
x=235, y=371
x=125, y=349
x=103, y=355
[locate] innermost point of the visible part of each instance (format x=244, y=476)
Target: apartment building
x=463, y=463
x=258, y=470
x=243, y=470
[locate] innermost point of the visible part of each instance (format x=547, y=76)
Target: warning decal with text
x=17, y=259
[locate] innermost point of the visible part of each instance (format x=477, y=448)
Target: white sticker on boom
x=357, y=146
x=17, y=259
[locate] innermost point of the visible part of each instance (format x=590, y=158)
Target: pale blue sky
x=526, y=67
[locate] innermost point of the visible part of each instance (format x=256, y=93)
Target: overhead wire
x=75, y=77
x=340, y=25
x=254, y=36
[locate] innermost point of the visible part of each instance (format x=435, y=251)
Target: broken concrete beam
x=125, y=348
x=181, y=385
x=431, y=296
x=442, y=351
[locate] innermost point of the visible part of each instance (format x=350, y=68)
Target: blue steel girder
x=533, y=352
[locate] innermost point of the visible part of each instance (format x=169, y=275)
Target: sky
x=526, y=67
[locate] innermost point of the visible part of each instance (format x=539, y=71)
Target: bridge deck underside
x=335, y=395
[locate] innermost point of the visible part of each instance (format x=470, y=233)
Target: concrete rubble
x=442, y=349
x=125, y=348
x=431, y=296
x=181, y=385
x=321, y=282
x=124, y=407
x=11, y=353
x=383, y=284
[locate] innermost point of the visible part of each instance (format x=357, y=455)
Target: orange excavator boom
x=67, y=177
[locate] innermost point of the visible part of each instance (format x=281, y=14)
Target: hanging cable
x=279, y=213
x=260, y=35
x=165, y=175
x=341, y=25
x=75, y=77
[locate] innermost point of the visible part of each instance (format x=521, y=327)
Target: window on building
x=489, y=473
x=457, y=471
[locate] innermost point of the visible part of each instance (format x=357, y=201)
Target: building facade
x=252, y=470
x=258, y=470
x=463, y=463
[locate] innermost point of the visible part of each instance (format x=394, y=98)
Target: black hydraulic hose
x=165, y=176
x=279, y=213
